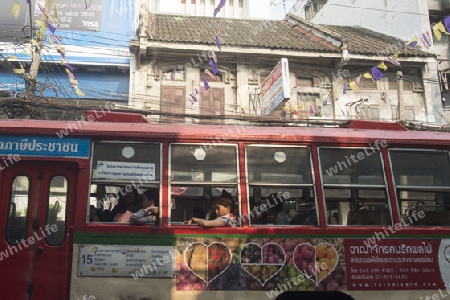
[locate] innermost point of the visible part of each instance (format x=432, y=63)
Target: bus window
x=16, y=228
x=354, y=187
x=280, y=185
x=422, y=185
x=198, y=174
x=56, y=209
x=119, y=168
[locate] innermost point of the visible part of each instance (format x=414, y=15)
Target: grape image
x=251, y=254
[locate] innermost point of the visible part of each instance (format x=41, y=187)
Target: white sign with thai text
x=125, y=170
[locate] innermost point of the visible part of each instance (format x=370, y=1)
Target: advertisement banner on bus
x=277, y=265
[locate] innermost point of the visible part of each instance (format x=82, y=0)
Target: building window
x=193, y=1
x=173, y=75
x=241, y=3
x=367, y=84
x=173, y=100
x=370, y=113
x=309, y=105
x=183, y=1
x=408, y=112
x=212, y=3
x=305, y=82
x=231, y=3
x=218, y=77
x=445, y=80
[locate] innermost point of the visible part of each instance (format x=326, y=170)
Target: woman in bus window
x=224, y=207
x=150, y=210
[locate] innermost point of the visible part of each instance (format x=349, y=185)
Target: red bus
x=367, y=206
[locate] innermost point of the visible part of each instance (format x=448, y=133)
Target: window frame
x=287, y=186
x=156, y=184
x=26, y=216
x=415, y=188
x=350, y=186
x=48, y=238
x=181, y=183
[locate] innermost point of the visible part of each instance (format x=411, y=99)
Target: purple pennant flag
x=218, y=43
x=376, y=73
x=213, y=67
x=28, y=1
x=219, y=7
x=345, y=89
x=193, y=98
x=51, y=27
x=69, y=67
x=446, y=22
x=205, y=82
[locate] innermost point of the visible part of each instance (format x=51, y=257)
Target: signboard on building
x=276, y=87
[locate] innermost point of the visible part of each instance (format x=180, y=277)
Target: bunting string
x=201, y=89
x=40, y=34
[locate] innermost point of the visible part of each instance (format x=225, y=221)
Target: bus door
x=38, y=201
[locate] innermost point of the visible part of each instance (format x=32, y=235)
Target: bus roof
x=353, y=133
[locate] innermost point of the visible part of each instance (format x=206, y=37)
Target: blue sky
x=278, y=8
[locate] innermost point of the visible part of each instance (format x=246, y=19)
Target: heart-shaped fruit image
x=315, y=262
x=262, y=262
x=207, y=262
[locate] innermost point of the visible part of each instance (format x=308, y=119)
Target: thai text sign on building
x=276, y=87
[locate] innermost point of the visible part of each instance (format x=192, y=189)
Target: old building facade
x=172, y=53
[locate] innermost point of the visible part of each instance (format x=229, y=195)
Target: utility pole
x=36, y=57
x=400, y=110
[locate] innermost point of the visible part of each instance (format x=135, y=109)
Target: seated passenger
x=128, y=204
x=224, y=207
x=280, y=215
x=150, y=210
x=312, y=219
x=335, y=219
x=93, y=215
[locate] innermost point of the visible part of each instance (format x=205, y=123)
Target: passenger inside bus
x=149, y=213
x=335, y=219
x=224, y=207
x=127, y=205
x=277, y=215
